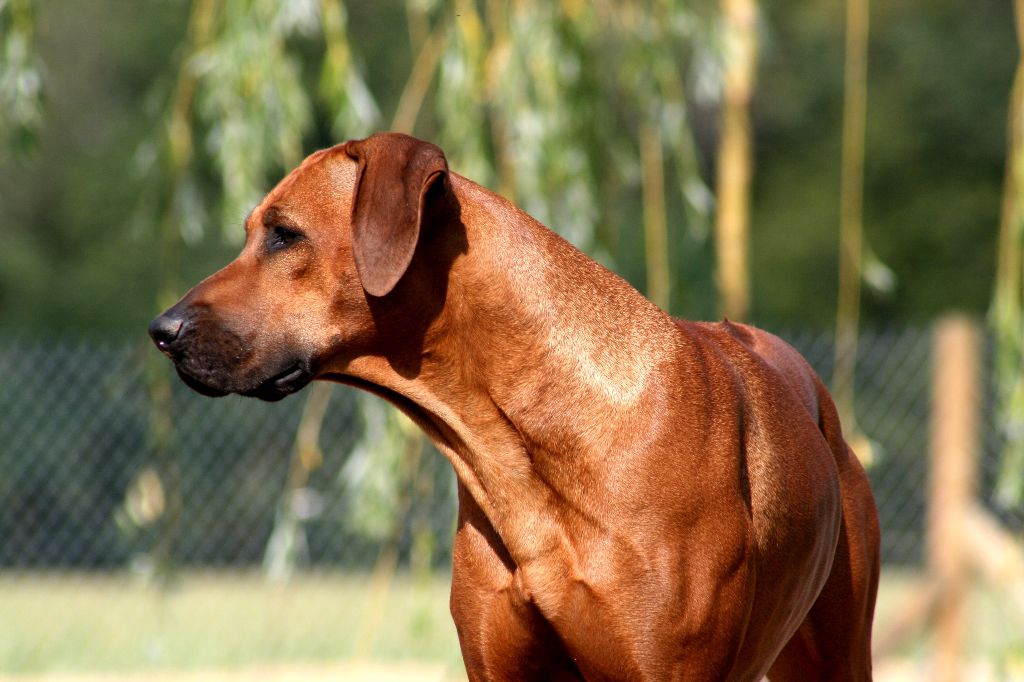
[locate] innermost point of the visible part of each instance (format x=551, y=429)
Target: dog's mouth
x=282, y=384
x=277, y=387
x=198, y=386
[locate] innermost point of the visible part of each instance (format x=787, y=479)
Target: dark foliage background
x=78, y=254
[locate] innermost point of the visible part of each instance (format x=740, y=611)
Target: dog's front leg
x=503, y=635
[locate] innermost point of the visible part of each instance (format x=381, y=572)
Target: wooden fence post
x=956, y=398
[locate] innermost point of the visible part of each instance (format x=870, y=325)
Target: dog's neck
x=557, y=319
x=522, y=374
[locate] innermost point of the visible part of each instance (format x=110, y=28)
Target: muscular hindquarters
x=834, y=640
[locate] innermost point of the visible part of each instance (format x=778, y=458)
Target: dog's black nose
x=164, y=330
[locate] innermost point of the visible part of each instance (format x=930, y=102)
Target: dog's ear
x=396, y=176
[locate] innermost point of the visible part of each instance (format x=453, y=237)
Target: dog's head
x=324, y=252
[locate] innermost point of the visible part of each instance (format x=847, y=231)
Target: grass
x=75, y=623
x=85, y=623
x=994, y=628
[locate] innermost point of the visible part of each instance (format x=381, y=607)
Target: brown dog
x=640, y=498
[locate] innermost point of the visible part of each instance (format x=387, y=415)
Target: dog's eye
x=280, y=237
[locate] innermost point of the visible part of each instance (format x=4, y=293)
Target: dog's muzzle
x=214, y=361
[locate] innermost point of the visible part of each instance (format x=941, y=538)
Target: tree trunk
x=851, y=200
x=732, y=225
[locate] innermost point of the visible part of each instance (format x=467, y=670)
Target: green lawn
x=87, y=623
x=228, y=621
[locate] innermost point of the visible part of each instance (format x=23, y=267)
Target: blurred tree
x=21, y=80
x=934, y=154
x=1007, y=312
x=735, y=156
x=932, y=179
x=851, y=228
x=550, y=101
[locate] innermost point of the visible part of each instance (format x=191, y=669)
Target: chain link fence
x=118, y=483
